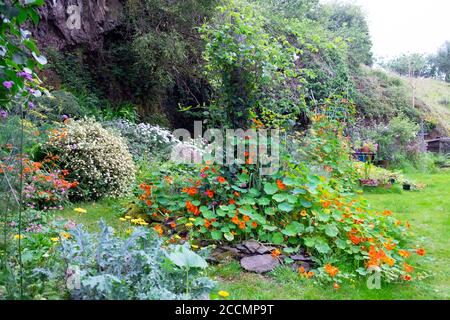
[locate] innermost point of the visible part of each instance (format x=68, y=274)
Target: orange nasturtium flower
x=389, y=246
x=408, y=268
x=246, y=218
x=254, y=224
x=221, y=179
x=173, y=225
x=407, y=277
x=210, y=193
x=281, y=185
x=242, y=225
x=207, y=223
x=404, y=253
x=275, y=253
x=331, y=270
x=336, y=286
x=303, y=213
x=235, y=220
x=158, y=229
x=420, y=251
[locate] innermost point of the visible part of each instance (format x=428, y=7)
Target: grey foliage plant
x=105, y=266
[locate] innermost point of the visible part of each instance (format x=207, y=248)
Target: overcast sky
x=398, y=26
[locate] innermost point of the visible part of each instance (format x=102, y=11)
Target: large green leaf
x=185, y=258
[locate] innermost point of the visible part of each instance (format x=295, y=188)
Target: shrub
x=96, y=158
x=144, y=140
x=103, y=266
x=61, y=103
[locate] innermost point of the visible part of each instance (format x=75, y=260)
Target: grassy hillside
x=435, y=95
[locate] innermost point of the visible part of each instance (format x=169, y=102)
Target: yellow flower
x=128, y=217
x=194, y=246
x=18, y=236
x=189, y=224
x=80, y=210
x=177, y=237
x=191, y=219
x=327, y=211
x=223, y=293
x=54, y=239
x=129, y=231
x=65, y=235
x=122, y=219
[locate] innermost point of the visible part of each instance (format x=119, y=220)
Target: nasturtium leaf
x=277, y=238
x=305, y=203
x=285, y=207
x=229, y=236
x=292, y=199
x=269, y=228
x=270, y=188
x=263, y=201
x=331, y=230
x=196, y=203
x=341, y=244
x=216, y=235
x=270, y=211
x=323, y=217
x=322, y=246
x=309, y=241
x=299, y=191
x=289, y=230
x=280, y=197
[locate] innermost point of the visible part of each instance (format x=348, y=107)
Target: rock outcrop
x=66, y=23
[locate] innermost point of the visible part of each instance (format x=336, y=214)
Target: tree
x=349, y=22
x=442, y=61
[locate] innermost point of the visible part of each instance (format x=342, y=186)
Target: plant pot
x=365, y=149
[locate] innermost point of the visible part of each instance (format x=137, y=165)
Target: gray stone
x=259, y=263
x=252, y=245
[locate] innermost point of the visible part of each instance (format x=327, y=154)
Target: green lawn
x=427, y=211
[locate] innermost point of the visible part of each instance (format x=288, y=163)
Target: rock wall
x=66, y=23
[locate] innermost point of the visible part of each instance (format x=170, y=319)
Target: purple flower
x=25, y=75
x=30, y=105
x=73, y=147
x=64, y=117
x=3, y=114
x=8, y=84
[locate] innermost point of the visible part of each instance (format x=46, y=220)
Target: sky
x=402, y=26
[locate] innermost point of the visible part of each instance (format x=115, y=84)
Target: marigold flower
x=223, y=293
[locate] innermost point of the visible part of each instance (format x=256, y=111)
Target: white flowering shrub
x=143, y=139
x=95, y=157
